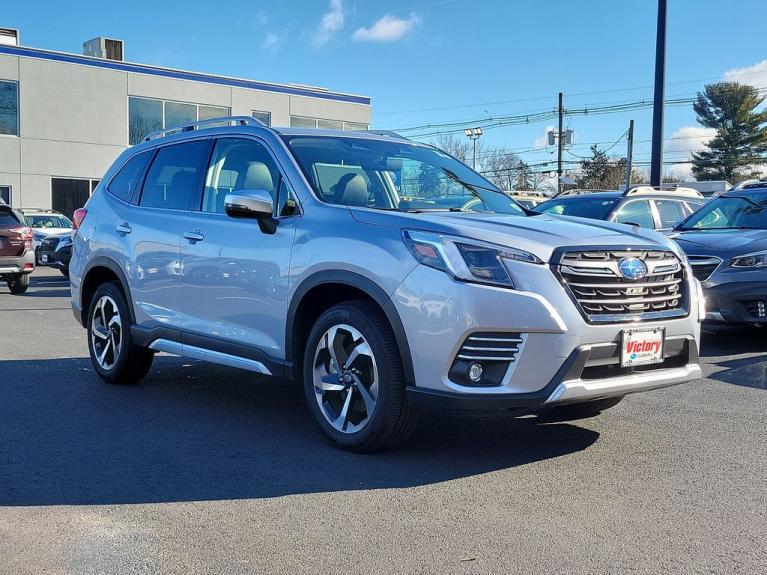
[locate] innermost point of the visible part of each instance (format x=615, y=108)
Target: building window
x=68, y=194
x=263, y=117
x=5, y=194
x=304, y=122
x=9, y=108
x=146, y=115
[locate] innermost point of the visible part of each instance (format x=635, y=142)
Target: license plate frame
x=636, y=358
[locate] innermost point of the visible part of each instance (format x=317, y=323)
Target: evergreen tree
x=741, y=132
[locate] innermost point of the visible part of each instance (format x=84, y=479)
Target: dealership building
x=65, y=117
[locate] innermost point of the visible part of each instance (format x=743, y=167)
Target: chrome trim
x=624, y=285
x=705, y=261
x=485, y=358
x=633, y=300
x=499, y=339
x=502, y=349
x=176, y=348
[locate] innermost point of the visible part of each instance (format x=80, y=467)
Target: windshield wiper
x=455, y=177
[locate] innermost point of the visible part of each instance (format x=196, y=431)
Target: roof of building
x=289, y=89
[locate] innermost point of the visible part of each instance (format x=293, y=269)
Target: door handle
x=195, y=236
x=123, y=228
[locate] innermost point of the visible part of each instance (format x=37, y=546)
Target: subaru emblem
x=632, y=268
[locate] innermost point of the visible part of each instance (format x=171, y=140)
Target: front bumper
x=561, y=359
x=58, y=258
x=736, y=302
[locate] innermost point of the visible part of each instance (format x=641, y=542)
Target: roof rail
x=578, y=192
x=228, y=120
x=386, y=133
x=674, y=190
x=746, y=184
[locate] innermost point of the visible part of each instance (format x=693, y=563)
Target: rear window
x=8, y=219
x=580, y=206
x=128, y=178
x=171, y=182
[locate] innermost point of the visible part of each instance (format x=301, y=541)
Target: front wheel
x=18, y=283
x=353, y=379
x=114, y=356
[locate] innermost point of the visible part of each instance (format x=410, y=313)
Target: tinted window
x=68, y=194
x=580, y=206
x=671, y=212
x=636, y=212
x=238, y=164
x=7, y=219
x=286, y=203
x=128, y=178
x=744, y=211
x=172, y=179
x=9, y=108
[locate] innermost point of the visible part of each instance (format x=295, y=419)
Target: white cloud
x=260, y=19
x=331, y=23
x=387, y=29
x=755, y=75
x=541, y=141
x=271, y=41
x=682, y=143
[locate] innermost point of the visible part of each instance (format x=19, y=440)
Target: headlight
x=465, y=259
x=750, y=261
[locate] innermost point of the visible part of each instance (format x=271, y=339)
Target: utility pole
x=656, y=162
x=560, y=144
x=629, y=154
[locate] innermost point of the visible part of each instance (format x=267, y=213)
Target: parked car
x=17, y=257
x=300, y=259
x=527, y=199
x=56, y=251
x=726, y=244
x=644, y=206
x=45, y=223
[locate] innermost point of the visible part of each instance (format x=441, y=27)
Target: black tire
x=133, y=362
x=64, y=272
x=392, y=420
x=18, y=283
x=582, y=410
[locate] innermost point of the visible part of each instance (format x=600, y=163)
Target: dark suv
x=17, y=257
x=644, y=206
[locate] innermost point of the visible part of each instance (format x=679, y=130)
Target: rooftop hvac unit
x=106, y=48
x=9, y=36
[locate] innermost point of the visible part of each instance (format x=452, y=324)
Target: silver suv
x=383, y=274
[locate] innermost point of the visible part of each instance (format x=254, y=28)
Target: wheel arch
x=99, y=270
x=324, y=289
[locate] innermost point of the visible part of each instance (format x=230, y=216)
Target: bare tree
x=500, y=167
x=455, y=146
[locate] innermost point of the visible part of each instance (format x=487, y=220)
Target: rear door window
x=636, y=212
x=172, y=180
x=124, y=184
x=671, y=212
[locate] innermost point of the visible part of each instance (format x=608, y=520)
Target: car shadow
x=724, y=342
x=193, y=431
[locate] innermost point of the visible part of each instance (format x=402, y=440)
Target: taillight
x=27, y=233
x=78, y=217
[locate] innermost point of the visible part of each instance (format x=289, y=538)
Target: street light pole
x=656, y=161
x=474, y=134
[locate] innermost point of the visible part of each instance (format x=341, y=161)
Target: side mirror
x=253, y=204
x=249, y=204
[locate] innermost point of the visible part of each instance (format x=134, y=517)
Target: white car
x=45, y=223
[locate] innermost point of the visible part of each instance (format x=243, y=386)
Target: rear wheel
x=113, y=354
x=18, y=283
x=584, y=409
x=353, y=379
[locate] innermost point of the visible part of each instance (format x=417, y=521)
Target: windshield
x=394, y=176
x=744, y=211
x=47, y=221
x=580, y=206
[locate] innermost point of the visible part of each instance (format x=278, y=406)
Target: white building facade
x=64, y=117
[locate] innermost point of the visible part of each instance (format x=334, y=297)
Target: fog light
x=475, y=372
x=760, y=308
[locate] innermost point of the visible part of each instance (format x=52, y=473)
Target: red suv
x=17, y=256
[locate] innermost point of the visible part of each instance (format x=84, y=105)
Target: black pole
x=656, y=162
x=560, y=143
x=629, y=154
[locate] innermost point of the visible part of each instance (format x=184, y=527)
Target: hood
x=46, y=232
x=722, y=243
x=540, y=234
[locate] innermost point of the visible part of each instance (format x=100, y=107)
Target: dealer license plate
x=44, y=258
x=642, y=346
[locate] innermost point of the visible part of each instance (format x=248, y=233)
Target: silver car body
x=234, y=297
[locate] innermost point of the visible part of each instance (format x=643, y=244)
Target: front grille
x=490, y=347
x=703, y=266
x=603, y=294
x=50, y=243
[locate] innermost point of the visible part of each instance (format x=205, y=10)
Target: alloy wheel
x=345, y=378
x=106, y=332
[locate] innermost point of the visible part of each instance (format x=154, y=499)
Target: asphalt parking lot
x=205, y=469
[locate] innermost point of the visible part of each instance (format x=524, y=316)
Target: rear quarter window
x=127, y=180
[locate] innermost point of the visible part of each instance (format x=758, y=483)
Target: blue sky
x=438, y=61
